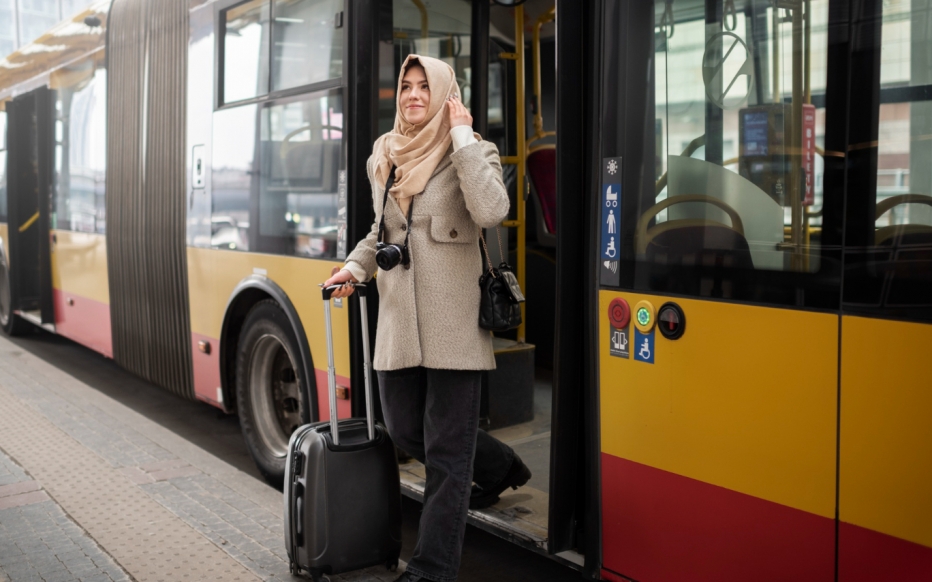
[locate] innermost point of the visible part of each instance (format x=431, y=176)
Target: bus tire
x=12, y=324
x=271, y=395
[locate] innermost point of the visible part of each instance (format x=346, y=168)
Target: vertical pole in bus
x=519, y=160
x=807, y=89
x=521, y=134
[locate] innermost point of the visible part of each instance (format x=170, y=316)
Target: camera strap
x=388, y=185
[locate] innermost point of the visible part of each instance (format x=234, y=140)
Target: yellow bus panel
x=886, y=428
x=746, y=399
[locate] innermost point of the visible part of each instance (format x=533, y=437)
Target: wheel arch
x=245, y=295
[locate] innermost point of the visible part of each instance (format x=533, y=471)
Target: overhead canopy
x=65, y=42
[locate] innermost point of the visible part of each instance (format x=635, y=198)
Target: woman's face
x=415, y=94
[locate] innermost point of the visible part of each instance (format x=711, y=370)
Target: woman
x=430, y=351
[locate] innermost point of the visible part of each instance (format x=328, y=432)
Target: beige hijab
x=417, y=149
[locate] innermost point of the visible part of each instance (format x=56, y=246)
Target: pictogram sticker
x=618, y=343
x=643, y=347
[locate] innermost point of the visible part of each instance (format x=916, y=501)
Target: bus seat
x=915, y=233
x=542, y=173
x=699, y=243
x=711, y=246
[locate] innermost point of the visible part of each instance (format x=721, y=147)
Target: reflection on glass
x=439, y=29
x=308, y=38
x=894, y=276
x=245, y=51
x=232, y=176
x=301, y=145
x=278, y=195
x=738, y=146
x=80, y=148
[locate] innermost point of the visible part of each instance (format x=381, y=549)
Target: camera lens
x=388, y=257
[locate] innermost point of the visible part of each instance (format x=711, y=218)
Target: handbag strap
x=501, y=252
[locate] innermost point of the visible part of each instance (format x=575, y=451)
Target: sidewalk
x=90, y=490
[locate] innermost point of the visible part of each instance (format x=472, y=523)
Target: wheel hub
x=275, y=394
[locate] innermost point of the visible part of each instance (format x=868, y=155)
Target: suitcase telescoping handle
x=331, y=369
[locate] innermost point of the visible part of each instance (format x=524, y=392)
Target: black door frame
x=20, y=212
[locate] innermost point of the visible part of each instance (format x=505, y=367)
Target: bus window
x=80, y=147
x=301, y=145
x=308, y=42
x=439, y=29
x=738, y=132
x=245, y=51
x=892, y=275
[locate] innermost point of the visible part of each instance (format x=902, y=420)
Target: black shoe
x=518, y=474
x=405, y=577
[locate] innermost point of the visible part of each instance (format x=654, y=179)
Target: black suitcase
x=342, y=490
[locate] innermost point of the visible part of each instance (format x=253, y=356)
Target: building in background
x=22, y=21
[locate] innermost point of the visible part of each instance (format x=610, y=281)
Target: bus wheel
x=12, y=324
x=270, y=393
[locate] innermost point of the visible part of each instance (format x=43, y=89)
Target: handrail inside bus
x=539, y=133
x=425, y=18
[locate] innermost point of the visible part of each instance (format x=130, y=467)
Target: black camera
x=387, y=256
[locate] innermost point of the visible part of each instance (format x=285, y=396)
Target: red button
x=619, y=313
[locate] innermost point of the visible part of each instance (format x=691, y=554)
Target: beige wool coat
x=429, y=314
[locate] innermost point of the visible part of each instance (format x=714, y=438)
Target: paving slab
x=92, y=490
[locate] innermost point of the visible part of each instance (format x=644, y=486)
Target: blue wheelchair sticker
x=643, y=347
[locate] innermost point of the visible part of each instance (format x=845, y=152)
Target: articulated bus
x=721, y=218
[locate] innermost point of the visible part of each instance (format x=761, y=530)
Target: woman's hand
x=341, y=277
x=457, y=113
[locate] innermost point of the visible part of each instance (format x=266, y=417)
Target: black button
x=404, y=227
x=453, y=233
x=671, y=321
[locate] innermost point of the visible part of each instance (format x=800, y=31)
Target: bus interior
x=517, y=396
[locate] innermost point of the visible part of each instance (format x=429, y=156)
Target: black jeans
x=433, y=415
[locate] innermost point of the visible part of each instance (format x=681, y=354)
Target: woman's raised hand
x=341, y=277
x=457, y=112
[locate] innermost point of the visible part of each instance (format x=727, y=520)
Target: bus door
x=885, y=459
x=30, y=133
x=718, y=234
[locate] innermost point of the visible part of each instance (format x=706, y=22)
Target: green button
x=643, y=316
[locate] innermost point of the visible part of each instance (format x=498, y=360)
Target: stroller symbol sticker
x=644, y=346
x=611, y=198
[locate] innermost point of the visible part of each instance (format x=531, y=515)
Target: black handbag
x=501, y=296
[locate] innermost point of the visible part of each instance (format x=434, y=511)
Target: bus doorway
x=29, y=174
x=504, y=59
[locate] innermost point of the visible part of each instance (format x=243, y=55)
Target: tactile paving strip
x=145, y=538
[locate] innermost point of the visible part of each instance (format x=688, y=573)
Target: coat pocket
x=452, y=229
